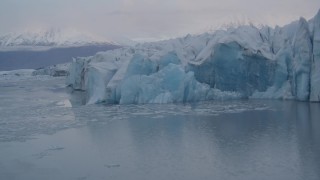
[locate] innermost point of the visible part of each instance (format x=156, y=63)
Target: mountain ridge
x=51, y=37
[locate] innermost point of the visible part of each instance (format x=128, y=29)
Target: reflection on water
x=271, y=144
x=282, y=142
x=246, y=140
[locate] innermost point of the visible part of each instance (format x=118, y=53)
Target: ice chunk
x=77, y=73
x=55, y=70
x=302, y=50
x=171, y=84
x=98, y=76
x=140, y=66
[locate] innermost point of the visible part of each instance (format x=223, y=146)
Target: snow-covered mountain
x=242, y=62
x=50, y=38
x=41, y=48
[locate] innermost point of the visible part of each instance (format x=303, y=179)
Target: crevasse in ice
x=241, y=62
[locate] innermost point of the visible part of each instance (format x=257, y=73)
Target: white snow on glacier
x=240, y=62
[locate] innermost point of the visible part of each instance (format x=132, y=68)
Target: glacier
x=238, y=62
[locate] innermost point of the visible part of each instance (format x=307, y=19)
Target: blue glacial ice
x=239, y=62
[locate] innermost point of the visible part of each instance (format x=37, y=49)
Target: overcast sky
x=147, y=18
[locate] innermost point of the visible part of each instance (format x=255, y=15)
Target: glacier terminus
x=240, y=62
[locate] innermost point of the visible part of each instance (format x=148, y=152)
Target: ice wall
x=302, y=52
x=234, y=68
x=315, y=68
x=243, y=62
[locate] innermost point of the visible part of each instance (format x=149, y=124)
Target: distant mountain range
x=50, y=38
x=32, y=50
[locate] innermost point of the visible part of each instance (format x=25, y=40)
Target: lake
x=46, y=133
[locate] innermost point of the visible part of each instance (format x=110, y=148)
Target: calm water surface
x=46, y=134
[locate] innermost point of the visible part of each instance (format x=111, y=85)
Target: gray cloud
x=147, y=18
